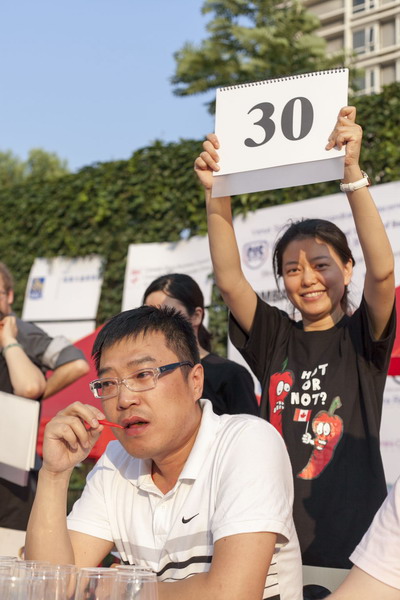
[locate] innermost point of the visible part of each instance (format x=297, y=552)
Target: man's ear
x=197, y=381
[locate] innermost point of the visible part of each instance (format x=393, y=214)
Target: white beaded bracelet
x=10, y=346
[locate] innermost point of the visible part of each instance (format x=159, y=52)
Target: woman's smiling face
x=315, y=278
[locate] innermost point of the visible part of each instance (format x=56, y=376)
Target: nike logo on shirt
x=189, y=519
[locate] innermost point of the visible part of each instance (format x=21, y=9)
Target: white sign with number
x=273, y=133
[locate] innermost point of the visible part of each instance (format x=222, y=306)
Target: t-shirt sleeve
x=60, y=351
x=257, y=346
x=255, y=488
x=377, y=352
x=43, y=350
x=34, y=341
x=239, y=393
x=378, y=552
x=89, y=513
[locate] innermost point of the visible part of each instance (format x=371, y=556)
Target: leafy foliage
x=101, y=210
x=11, y=169
x=153, y=197
x=379, y=115
x=251, y=41
x=40, y=165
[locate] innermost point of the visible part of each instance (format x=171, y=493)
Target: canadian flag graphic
x=301, y=414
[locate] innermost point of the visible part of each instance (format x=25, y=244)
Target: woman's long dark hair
x=314, y=228
x=186, y=290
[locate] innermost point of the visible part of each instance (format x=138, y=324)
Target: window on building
x=366, y=83
x=360, y=5
x=334, y=45
x=324, y=8
x=364, y=40
x=388, y=34
x=388, y=74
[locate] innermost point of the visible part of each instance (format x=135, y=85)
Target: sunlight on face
x=315, y=278
x=161, y=421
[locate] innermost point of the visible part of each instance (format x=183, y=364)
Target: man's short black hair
x=178, y=332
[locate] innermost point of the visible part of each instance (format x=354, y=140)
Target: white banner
x=62, y=295
x=256, y=234
x=146, y=262
x=19, y=421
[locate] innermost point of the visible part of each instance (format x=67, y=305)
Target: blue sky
x=89, y=79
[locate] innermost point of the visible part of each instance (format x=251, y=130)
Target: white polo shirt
x=378, y=553
x=237, y=479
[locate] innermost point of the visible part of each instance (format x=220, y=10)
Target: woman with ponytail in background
x=227, y=384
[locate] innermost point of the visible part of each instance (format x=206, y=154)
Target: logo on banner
x=134, y=275
x=37, y=285
x=80, y=278
x=255, y=254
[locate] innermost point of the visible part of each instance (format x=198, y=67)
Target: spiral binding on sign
x=280, y=79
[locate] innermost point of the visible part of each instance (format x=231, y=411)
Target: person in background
x=27, y=353
x=376, y=571
x=322, y=377
x=227, y=384
x=180, y=490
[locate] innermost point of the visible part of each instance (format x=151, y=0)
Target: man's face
x=160, y=423
x=6, y=299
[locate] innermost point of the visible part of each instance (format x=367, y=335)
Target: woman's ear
x=348, y=272
x=196, y=318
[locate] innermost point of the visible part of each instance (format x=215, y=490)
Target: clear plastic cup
x=47, y=586
x=95, y=583
x=14, y=588
x=30, y=568
x=137, y=584
x=7, y=569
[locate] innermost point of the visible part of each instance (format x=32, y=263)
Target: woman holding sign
x=322, y=377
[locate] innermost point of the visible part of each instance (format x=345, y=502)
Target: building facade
x=369, y=28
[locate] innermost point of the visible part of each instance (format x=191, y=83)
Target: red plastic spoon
x=104, y=422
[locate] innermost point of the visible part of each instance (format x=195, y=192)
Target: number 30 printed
x=287, y=121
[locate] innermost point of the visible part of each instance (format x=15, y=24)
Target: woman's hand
x=347, y=133
x=207, y=162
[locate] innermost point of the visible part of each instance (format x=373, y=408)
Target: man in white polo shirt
x=376, y=571
x=204, y=500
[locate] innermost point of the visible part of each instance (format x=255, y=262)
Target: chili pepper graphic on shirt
x=303, y=392
x=328, y=430
x=280, y=385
